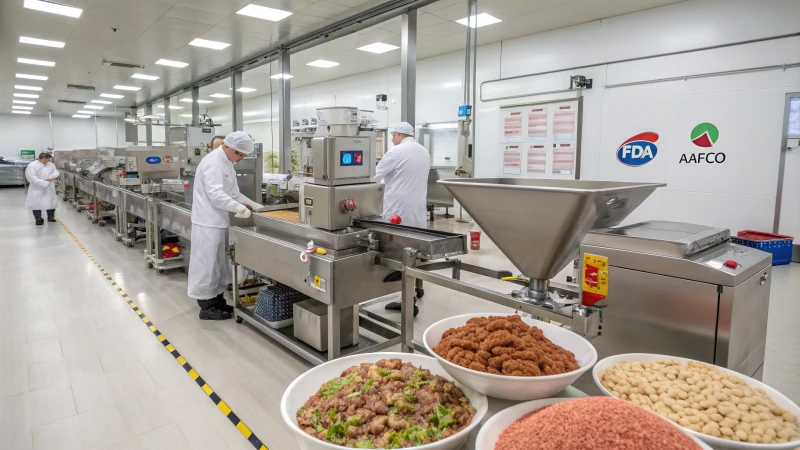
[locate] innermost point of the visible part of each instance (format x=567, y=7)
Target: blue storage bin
x=780, y=247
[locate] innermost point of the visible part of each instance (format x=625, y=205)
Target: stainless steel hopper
x=539, y=224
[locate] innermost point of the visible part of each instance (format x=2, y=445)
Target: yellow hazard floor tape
x=226, y=410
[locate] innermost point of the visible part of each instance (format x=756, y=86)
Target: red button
x=731, y=263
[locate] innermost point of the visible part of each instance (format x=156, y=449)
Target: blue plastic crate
x=781, y=249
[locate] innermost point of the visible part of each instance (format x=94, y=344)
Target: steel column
x=284, y=113
x=237, y=105
x=167, y=104
x=195, y=106
x=148, y=111
x=408, y=67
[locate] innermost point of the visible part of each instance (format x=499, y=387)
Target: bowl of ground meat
x=586, y=423
x=381, y=401
x=509, y=356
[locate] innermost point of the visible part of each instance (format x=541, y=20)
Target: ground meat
x=593, y=423
x=504, y=345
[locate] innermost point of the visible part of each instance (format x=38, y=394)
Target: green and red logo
x=705, y=135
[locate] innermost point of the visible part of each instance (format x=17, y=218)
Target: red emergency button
x=731, y=263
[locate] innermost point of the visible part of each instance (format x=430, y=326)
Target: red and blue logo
x=638, y=150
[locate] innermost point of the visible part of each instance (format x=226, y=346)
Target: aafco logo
x=638, y=150
x=705, y=135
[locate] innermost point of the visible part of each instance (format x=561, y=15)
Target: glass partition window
x=180, y=113
x=216, y=102
x=260, y=111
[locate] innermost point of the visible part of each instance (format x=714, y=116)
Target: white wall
x=21, y=132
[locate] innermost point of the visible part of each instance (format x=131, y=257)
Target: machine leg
x=334, y=332
x=356, y=334
x=407, y=313
x=457, y=269
x=418, y=291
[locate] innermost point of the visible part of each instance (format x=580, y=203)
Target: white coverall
x=404, y=170
x=41, y=193
x=216, y=193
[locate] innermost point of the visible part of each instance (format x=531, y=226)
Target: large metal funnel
x=539, y=224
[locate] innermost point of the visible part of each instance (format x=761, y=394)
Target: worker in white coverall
x=404, y=170
x=41, y=175
x=216, y=193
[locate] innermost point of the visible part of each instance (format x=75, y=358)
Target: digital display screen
x=352, y=158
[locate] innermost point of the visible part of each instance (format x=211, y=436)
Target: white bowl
x=308, y=384
x=490, y=432
x=715, y=442
x=508, y=387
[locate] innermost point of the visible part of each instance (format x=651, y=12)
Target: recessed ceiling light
x=167, y=62
x=35, y=62
x=92, y=107
x=25, y=95
x=111, y=95
x=22, y=107
x=80, y=116
x=322, y=63
x=53, y=7
x=219, y=95
x=102, y=102
x=186, y=115
x=86, y=112
x=246, y=90
x=262, y=12
x=209, y=44
x=205, y=101
x=175, y=107
x=186, y=100
x=44, y=42
x=378, y=47
x=24, y=102
x=252, y=113
x=27, y=88
x=14, y=111
x=126, y=88
x=483, y=19
x=32, y=77
x=285, y=76
x=142, y=76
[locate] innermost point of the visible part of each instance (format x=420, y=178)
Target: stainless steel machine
x=684, y=290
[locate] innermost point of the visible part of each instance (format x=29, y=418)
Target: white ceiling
x=148, y=30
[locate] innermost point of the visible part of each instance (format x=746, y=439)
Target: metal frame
x=195, y=106
x=237, y=105
x=408, y=67
x=776, y=222
x=284, y=113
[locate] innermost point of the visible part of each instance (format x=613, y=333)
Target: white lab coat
x=41, y=193
x=404, y=170
x=216, y=192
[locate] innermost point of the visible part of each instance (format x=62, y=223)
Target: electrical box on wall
x=465, y=111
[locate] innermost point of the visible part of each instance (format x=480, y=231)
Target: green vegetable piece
x=354, y=421
x=315, y=416
x=319, y=428
x=354, y=394
x=332, y=414
x=419, y=374
x=367, y=386
x=336, y=433
x=410, y=394
x=335, y=385
x=441, y=417
x=417, y=384
x=301, y=409
x=383, y=373
x=365, y=444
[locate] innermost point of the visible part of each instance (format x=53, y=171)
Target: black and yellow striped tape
x=226, y=410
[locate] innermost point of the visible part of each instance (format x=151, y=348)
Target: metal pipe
x=707, y=75
x=408, y=68
x=116, y=123
x=237, y=101
x=467, y=50
x=52, y=140
x=284, y=114
x=148, y=128
x=167, y=120
x=96, y=140
x=474, y=82
x=195, y=106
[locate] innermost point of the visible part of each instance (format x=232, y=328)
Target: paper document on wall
x=565, y=123
x=537, y=123
x=537, y=159
x=563, y=158
x=512, y=125
x=512, y=161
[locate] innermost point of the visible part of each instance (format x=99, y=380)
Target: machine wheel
x=129, y=244
x=239, y=319
x=95, y=221
x=160, y=271
x=149, y=265
x=102, y=223
x=420, y=292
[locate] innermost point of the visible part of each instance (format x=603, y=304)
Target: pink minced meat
x=593, y=423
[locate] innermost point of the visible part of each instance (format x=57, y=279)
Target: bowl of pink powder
x=587, y=423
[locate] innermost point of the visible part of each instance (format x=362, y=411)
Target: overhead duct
x=121, y=64
x=78, y=87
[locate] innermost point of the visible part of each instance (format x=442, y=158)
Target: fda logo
x=638, y=150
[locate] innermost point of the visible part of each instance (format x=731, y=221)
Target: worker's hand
x=49, y=180
x=242, y=212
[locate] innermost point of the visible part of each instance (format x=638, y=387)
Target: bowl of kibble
x=719, y=406
x=509, y=356
x=586, y=423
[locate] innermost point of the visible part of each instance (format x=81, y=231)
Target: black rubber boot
x=395, y=306
x=222, y=305
x=40, y=222
x=209, y=311
x=51, y=219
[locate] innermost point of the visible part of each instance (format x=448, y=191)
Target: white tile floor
x=78, y=370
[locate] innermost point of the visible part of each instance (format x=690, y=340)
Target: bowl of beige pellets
x=723, y=408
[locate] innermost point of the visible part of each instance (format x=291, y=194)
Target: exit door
x=787, y=205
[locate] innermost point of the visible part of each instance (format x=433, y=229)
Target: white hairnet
x=404, y=128
x=240, y=141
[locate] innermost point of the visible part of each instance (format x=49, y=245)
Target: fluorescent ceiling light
x=285, y=76
x=322, y=63
x=24, y=102
x=252, y=113
x=25, y=95
x=53, y=7
x=142, y=76
x=35, y=62
x=482, y=20
x=32, y=77
x=111, y=95
x=442, y=126
x=186, y=115
x=205, y=101
x=378, y=47
x=92, y=107
x=102, y=102
x=80, y=116
x=167, y=62
x=219, y=95
x=126, y=88
x=188, y=100
x=44, y=42
x=86, y=112
x=27, y=88
x=246, y=90
x=13, y=111
x=175, y=107
x=262, y=12
x=22, y=107
x=209, y=44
